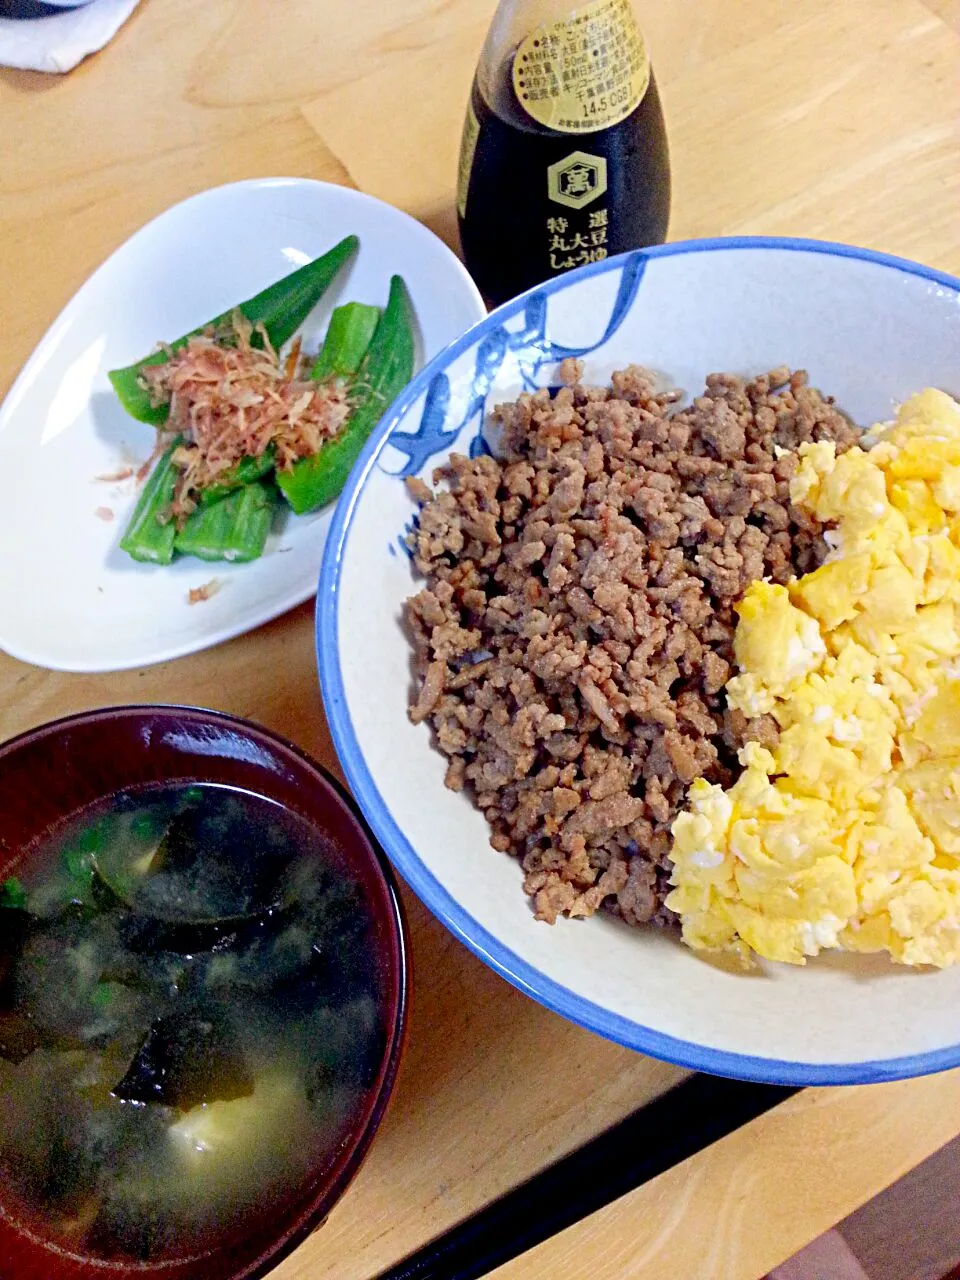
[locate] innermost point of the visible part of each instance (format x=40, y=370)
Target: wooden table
x=831, y=120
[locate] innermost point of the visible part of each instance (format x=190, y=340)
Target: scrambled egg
x=848, y=834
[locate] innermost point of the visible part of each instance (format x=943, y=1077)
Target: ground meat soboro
x=575, y=632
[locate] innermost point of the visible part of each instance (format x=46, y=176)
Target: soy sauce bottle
x=563, y=159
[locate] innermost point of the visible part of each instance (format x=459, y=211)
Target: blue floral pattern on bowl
x=529, y=346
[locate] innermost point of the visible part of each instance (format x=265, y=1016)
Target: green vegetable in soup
x=186, y=1060
x=12, y=893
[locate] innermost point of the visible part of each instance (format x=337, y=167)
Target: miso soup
x=191, y=1015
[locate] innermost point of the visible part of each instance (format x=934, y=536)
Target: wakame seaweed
x=189, y=1018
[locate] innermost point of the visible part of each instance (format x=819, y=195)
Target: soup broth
x=190, y=1020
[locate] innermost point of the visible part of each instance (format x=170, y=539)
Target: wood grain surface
x=822, y=119
x=754, y=1198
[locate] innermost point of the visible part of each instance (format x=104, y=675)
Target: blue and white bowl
x=870, y=329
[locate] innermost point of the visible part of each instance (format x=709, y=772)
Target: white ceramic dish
x=70, y=598
x=870, y=329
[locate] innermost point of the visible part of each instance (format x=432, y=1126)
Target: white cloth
x=58, y=43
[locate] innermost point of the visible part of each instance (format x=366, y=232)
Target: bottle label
x=577, y=180
x=587, y=72
x=573, y=242
x=468, y=145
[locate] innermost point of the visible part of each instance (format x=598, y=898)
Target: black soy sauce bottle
x=564, y=157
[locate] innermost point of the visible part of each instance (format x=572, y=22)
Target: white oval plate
x=69, y=598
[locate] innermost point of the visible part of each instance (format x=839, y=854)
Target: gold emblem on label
x=577, y=179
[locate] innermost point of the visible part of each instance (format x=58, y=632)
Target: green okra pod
x=150, y=534
x=235, y=528
x=245, y=472
x=349, y=334
x=281, y=309
x=384, y=371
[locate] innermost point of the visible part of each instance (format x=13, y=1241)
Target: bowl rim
x=306, y=1214
x=456, y=917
